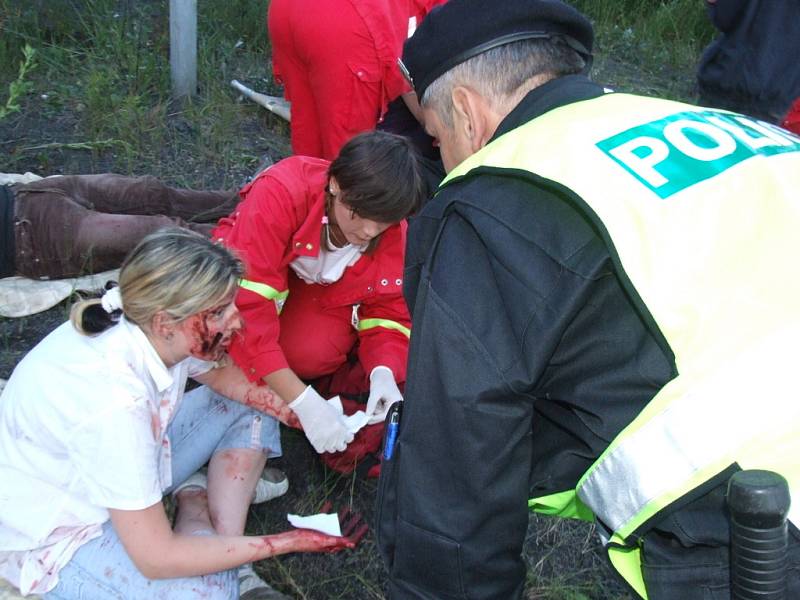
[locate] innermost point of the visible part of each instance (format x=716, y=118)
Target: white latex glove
x=383, y=392
x=323, y=425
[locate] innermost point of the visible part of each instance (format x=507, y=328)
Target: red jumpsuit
x=311, y=328
x=337, y=60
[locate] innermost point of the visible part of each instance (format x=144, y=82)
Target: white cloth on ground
x=323, y=522
x=21, y=296
x=27, y=177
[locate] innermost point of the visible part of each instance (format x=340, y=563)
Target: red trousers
x=327, y=61
x=320, y=342
x=319, y=345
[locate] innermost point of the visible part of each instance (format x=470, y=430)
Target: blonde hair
x=173, y=270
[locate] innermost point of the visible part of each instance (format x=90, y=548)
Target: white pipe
x=274, y=104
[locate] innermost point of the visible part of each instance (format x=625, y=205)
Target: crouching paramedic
x=323, y=244
x=606, y=301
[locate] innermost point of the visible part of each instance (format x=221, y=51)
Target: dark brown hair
x=379, y=176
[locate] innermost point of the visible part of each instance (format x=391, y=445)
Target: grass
x=99, y=100
x=652, y=32
x=103, y=76
x=649, y=46
x=19, y=86
x=103, y=71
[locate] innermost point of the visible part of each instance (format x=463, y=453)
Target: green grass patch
x=649, y=47
x=650, y=32
x=103, y=69
x=19, y=86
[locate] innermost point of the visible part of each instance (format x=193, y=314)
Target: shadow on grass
x=564, y=559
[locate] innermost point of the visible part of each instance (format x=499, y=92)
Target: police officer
x=605, y=295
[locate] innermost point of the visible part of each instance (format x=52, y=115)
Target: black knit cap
x=460, y=29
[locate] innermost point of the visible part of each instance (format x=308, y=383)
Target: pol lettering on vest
x=671, y=154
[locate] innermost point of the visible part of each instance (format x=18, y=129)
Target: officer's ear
x=473, y=117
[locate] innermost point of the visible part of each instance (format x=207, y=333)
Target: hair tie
x=112, y=300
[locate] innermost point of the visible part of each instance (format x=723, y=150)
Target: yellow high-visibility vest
x=700, y=212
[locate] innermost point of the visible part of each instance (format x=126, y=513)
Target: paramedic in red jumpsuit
x=323, y=246
x=337, y=60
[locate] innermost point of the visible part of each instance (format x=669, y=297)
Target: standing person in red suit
x=323, y=244
x=337, y=60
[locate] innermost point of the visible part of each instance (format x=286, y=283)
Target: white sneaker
x=252, y=587
x=273, y=483
x=198, y=480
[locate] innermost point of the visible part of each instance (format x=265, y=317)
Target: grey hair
x=173, y=270
x=499, y=73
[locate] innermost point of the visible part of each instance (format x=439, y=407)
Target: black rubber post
x=759, y=502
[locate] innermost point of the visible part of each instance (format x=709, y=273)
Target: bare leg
x=193, y=515
x=232, y=478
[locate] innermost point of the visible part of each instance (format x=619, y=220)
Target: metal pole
x=759, y=503
x=183, y=47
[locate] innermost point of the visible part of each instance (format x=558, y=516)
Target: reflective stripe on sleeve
x=265, y=291
x=365, y=324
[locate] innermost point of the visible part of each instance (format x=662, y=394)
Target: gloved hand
x=322, y=424
x=383, y=392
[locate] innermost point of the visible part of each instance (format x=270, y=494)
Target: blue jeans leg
x=102, y=570
x=207, y=423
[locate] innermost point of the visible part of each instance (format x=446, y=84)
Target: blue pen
x=392, y=428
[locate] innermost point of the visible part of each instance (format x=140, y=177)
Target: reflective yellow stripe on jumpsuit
x=266, y=291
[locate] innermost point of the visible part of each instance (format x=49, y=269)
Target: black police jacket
x=526, y=360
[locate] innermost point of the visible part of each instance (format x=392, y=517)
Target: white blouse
x=82, y=429
x=328, y=267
